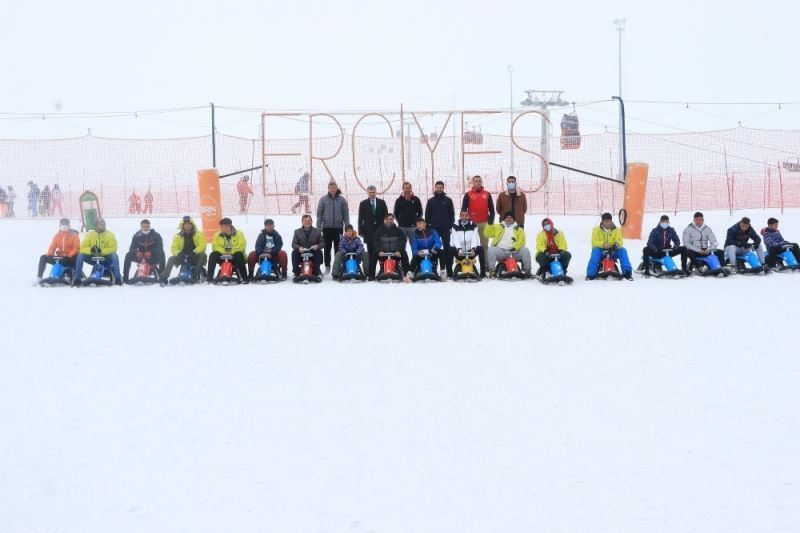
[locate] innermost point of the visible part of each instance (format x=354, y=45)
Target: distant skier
x=301, y=188
x=148, y=202
x=134, y=204
x=44, y=199
x=33, y=198
x=56, y=201
x=245, y=192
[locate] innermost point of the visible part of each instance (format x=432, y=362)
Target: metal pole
x=620, y=24
x=511, y=112
x=213, y=138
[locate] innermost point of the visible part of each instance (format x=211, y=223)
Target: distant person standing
x=301, y=190
x=134, y=203
x=148, y=202
x=407, y=209
x=56, y=198
x=12, y=195
x=371, y=213
x=440, y=215
x=44, y=199
x=332, y=215
x=245, y=192
x=479, y=203
x=33, y=198
x=514, y=200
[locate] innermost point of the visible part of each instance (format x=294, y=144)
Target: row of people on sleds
x=742, y=252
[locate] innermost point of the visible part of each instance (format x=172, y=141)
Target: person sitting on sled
x=549, y=243
x=102, y=243
x=188, y=244
x=775, y=243
x=350, y=243
x=146, y=245
x=64, y=245
x=737, y=241
x=425, y=241
x=699, y=240
x=663, y=240
x=270, y=243
x=307, y=237
x=507, y=238
x=231, y=242
x=465, y=239
x=608, y=237
x=387, y=240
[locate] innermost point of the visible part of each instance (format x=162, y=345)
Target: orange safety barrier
x=210, y=201
x=635, y=192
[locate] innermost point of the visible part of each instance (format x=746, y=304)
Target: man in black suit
x=371, y=213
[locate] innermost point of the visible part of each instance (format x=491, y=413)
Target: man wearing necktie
x=371, y=213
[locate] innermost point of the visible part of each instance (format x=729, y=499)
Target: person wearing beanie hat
x=65, y=245
x=507, y=239
x=699, y=240
x=188, y=245
x=608, y=237
x=231, y=242
x=737, y=242
x=514, y=200
x=551, y=242
x=270, y=243
x=663, y=240
x=775, y=243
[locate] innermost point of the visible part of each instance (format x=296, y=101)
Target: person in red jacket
x=480, y=205
x=134, y=203
x=65, y=244
x=245, y=192
x=148, y=202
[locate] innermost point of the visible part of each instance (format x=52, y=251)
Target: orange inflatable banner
x=210, y=201
x=635, y=192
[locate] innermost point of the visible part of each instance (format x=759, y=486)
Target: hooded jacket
x=332, y=211
x=465, y=236
x=147, y=242
x=558, y=239
x=266, y=240
x=197, y=237
x=697, y=239
x=65, y=244
x=105, y=241
x=495, y=233
x=601, y=236
x=737, y=237
x=389, y=239
x=238, y=244
x=663, y=239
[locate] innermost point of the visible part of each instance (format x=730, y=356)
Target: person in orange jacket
x=65, y=244
x=245, y=192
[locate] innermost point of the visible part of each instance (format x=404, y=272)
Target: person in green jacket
x=188, y=244
x=608, y=237
x=507, y=238
x=228, y=242
x=98, y=243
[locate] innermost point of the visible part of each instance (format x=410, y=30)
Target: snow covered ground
x=653, y=406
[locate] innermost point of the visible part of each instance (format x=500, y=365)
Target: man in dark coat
x=738, y=240
x=307, y=237
x=440, y=215
x=407, y=209
x=388, y=240
x=663, y=241
x=371, y=213
x=146, y=245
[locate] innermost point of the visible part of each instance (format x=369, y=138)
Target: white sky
x=114, y=56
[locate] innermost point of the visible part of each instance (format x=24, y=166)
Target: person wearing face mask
x=464, y=238
x=663, y=240
x=440, y=216
x=65, y=245
x=146, y=245
x=608, y=237
x=507, y=238
x=551, y=242
x=514, y=200
x=98, y=243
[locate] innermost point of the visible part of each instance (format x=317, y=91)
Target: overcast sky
x=89, y=56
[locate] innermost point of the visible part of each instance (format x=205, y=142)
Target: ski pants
x=238, y=264
x=545, y=259
x=130, y=257
x=297, y=261
x=199, y=261
x=648, y=252
x=772, y=257
x=111, y=261
x=498, y=254
x=620, y=254
x=339, y=259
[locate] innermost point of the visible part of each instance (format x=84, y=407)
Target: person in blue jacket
x=663, y=241
x=424, y=240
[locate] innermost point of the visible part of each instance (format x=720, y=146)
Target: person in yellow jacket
x=102, y=243
x=549, y=243
x=228, y=242
x=608, y=237
x=188, y=244
x=505, y=239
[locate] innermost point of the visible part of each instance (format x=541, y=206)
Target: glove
x=95, y=250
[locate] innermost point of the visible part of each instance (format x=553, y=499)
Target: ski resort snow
x=647, y=406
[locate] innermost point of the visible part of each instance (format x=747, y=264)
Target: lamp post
x=620, y=25
x=511, y=112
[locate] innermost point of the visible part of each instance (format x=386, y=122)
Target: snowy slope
x=653, y=406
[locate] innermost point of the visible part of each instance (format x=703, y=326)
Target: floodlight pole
x=620, y=25
x=213, y=138
x=511, y=111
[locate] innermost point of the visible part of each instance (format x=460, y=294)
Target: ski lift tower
x=544, y=100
